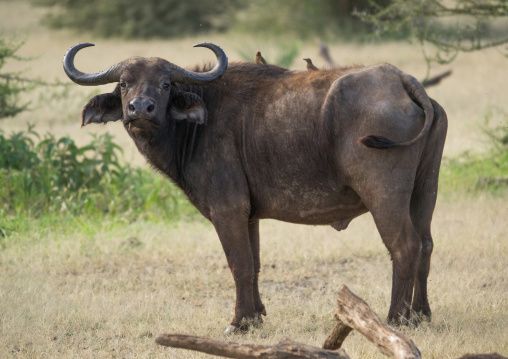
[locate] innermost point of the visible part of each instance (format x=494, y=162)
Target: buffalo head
x=145, y=96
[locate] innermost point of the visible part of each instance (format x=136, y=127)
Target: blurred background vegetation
x=450, y=27
x=176, y=18
x=456, y=23
x=45, y=174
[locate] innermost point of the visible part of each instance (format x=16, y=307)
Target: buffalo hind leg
x=259, y=308
x=233, y=231
x=423, y=201
x=404, y=245
x=420, y=307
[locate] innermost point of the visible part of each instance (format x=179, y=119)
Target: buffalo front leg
x=233, y=231
x=423, y=202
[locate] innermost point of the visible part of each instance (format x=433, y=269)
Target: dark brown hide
x=285, y=145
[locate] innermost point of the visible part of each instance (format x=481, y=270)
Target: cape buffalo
x=248, y=142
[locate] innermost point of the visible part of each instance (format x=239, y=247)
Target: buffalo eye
x=165, y=86
x=123, y=85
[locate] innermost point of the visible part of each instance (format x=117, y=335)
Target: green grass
x=480, y=173
x=475, y=174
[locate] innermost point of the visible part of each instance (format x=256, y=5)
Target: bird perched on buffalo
x=258, y=59
x=310, y=65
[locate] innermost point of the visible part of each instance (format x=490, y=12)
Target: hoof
x=248, y=322
x=420, y=316
x=231, y=329
x=404, y=321
x=400, y=322
x=245, y=324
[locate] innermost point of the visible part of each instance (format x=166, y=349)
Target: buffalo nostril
x=150, y=108
x=131, y=107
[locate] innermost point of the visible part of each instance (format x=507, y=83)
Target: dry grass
x=103, y=294
x=97, y=293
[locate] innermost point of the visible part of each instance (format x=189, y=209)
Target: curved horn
x=197, y=78
x=100, y=78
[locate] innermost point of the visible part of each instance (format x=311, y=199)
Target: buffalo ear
x=103, y=108
x=188, y=106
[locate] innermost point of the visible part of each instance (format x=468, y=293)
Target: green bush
x=54, y=175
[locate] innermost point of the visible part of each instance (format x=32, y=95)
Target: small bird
x=258, y=59
x=310, y=65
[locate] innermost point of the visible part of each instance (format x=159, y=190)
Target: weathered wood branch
x=337, y=336
x=483, y=356
x=352, y=313
x=286, y=349
x=355, y=313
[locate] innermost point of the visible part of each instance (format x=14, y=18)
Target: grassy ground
x=77, y=287
x=107, y=289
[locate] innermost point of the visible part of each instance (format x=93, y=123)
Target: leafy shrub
x=50, y=175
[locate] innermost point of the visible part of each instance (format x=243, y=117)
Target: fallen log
x=337, y=336
x=352, y=313
x=285, y=349
x=483, y=356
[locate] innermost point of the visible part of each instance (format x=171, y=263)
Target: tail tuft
x=379, y=142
